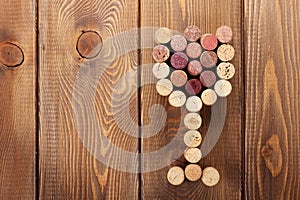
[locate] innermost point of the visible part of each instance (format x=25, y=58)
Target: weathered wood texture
x=17, y=100
x=226, y=155
x=272, y=99
x=67, y=169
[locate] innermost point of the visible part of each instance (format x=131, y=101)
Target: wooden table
x=42, y=155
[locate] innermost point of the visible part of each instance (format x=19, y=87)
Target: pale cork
x=161, y=70
x=226, y=52
x=210, y=176
x=193, y=172
x=193, y=155
x=164, y=87
x=209, y=97
x=192, y=138
x=192, y=121
x=175, y=176
x=177, y=98
x=223, y=88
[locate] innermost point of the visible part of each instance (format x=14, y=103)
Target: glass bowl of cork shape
x=193, y=70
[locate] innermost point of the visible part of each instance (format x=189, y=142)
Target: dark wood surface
x=68, y=170
x=226, y=155
x=272, y=99
x=46, y=110
x=17, y=99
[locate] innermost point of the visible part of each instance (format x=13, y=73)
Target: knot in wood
x=89, y=44
x=11, y=55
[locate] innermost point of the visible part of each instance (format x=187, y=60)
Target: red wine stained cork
x=161, y=53
x=179, y=60
x=223, y=88
x=225, y=70
x=193, y=155
x=164, y=87
x=209, y=42
x=210, y=176
x=193, y=104
x=209, y=97
x=224, y=34
x=192, y=121
x=178, y=78
x=178, y=43
x=177, y=98
x=193, y=87
x=193, y=50
x=192, y=33
x=161, y=70
x=193, y=172
x=163, y=35
x=192, y=138
x=175, y=176
x=208, y=78
x=194, y=68
x=226, y=52
x=208, y=59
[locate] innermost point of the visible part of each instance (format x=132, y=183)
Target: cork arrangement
x=193, y=70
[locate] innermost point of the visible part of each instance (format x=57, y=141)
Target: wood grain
x=272, y=98
x=68, y=170
x=18, y=101
x=226, y=155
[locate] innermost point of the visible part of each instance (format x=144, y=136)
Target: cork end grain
x=175, y=176
x=192, y=138
x=193, y=155
x=161, y=53
x=224, y=34
x=193, y=172
x=192, y=121
x=210, y=176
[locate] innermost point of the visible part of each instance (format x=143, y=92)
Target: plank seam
x=37, y=86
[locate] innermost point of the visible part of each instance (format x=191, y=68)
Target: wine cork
x=192, y=33
x=209, y=97
x=209, y=59
x=161, y=53
x=225, y=70
x=163, y=35
x=161, y=70
x=210, y=176
x=193, y=87
x=193, y=50
x=209, y=42
x=193, y=155
x=164, y=87
x=175, y=176
x=193, y=172
x=177, y=98
x=178, y=43
x=208, y=78
x=194, y=68
x=192, y=121
x=179, y=60
x=223, y=88
x=193, y=104
x=226, y=52
x=224, y=34
x=192, y=138
x=178, y=78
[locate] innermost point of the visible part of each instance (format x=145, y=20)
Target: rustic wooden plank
x=226, y=155
x=18, y=99
x=272, y=99
x=69, y=168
